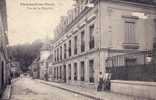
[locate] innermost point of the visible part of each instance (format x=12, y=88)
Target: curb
x=76, y=92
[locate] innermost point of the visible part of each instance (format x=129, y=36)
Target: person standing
x=107, y=82
x=100, y=84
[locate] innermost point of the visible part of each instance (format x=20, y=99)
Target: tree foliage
x=25, y=54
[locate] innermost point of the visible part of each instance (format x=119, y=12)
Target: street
x=28, y=89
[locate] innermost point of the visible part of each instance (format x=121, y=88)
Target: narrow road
x=28, y=89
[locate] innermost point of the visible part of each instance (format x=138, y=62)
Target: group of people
x=104, y=82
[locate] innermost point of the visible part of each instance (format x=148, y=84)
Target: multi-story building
x=50, y=68
x=43, y=62
x=35, y=69
x=4, y=70
x=92, y=34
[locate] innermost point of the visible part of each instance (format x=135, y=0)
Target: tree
x=25, y=54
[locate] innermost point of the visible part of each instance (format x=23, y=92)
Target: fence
x=138, y=66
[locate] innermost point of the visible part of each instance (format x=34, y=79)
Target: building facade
x=4, y=66
x=90, y=35
x=43, y=62
x=50, y=68
x=35, y=68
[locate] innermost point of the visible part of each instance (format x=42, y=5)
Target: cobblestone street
x=28, y=89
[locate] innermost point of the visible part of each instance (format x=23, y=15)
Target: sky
x=30, y=20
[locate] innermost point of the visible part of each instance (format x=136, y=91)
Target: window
x=82, y=74
x=91, y=70
x=91, y=37
x=69, y=48
x=65, y=47
x=75, y=46
x=61, y=53
x=130, y=38
x=57, y=54
x=57, y=73
x=75, y=71
x=54, y=73
x=64, y=73
x=60, y=72
x=130, y=61
x=130, y=32
x=82, y=41
x=69, y=77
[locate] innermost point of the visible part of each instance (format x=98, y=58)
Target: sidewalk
x=7, y=93
x=93, y=94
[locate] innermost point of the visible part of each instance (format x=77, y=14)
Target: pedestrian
x=100, y=84
x=107, y=82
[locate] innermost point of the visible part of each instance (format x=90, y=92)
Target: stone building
x=92, y=34
x=43, y=62
x=50, y=68
x=4, y=66
x=35, y=68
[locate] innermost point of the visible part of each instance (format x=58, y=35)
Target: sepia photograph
x=77, y=49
